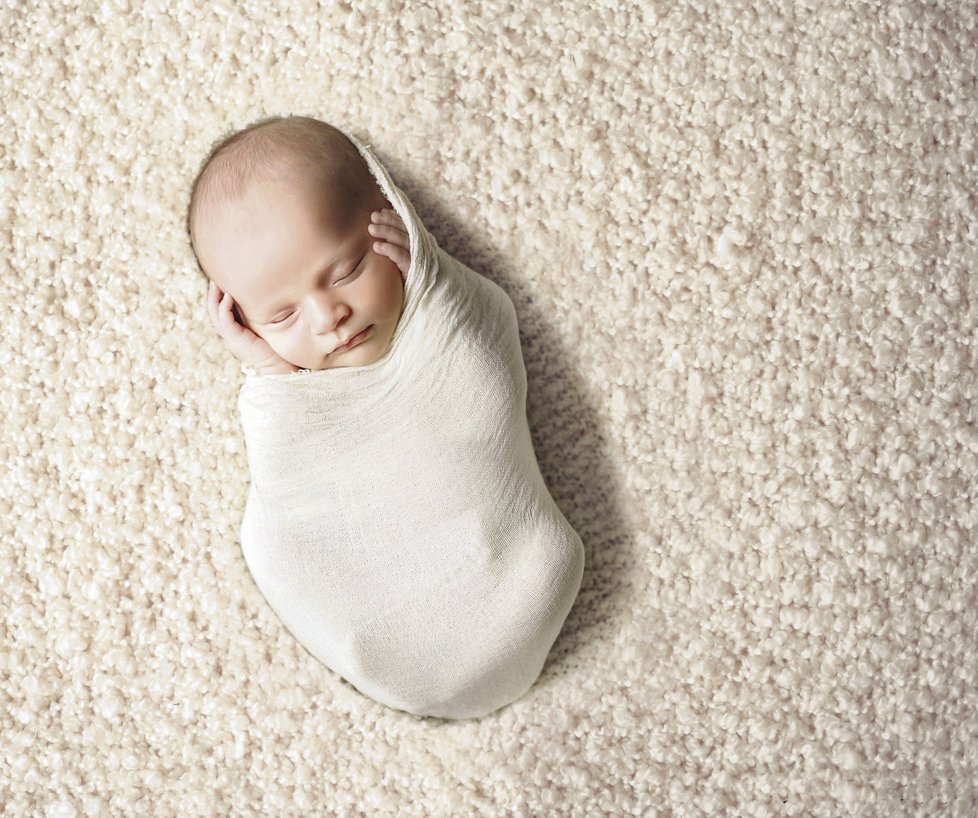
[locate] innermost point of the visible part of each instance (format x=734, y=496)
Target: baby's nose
x=326, y=317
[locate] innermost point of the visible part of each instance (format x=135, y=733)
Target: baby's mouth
x=355, y=340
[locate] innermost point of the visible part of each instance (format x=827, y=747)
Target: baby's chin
x=342, y=361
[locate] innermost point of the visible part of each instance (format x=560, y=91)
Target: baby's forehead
x=282, y=188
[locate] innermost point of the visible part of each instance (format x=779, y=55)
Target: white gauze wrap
x=396, y=520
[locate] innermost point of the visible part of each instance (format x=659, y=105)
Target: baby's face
x=303, y=274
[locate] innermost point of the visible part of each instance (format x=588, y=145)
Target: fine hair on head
x=294, y=149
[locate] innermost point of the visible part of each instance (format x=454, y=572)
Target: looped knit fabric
x=396, y=520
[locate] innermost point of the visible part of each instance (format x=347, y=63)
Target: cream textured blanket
x=397, y=521
x=741, y=239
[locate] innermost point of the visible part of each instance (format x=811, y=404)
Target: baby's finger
x=388, y=216
x=388, y=233
x=228, y=324
x=399, y=255
x=213, y=301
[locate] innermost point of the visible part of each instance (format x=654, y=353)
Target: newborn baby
x=396, y=521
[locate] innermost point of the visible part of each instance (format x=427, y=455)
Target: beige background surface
x=741, y=239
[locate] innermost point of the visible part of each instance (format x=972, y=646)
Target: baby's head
x=278, y=218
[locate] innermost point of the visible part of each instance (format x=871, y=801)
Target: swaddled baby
x=396, y=521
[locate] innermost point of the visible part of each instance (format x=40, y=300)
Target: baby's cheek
x=386, y=286
x=283, y=345
x=397, y=292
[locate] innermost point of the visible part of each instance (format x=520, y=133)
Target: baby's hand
x=387, y=225
x=247, y=347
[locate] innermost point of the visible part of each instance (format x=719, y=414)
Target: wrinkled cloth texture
x=397, y=521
